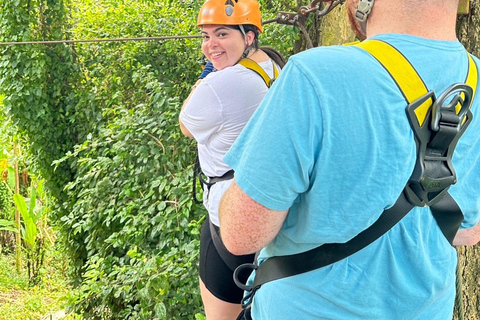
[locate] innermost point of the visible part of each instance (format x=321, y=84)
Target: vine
x=37, y=82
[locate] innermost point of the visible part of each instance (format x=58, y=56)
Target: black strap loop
x=198, y=174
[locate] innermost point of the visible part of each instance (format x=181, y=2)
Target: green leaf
x=30, y=230
x=7, y=225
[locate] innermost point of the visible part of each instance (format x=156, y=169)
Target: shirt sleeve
x=274, y=156
x=202, y=116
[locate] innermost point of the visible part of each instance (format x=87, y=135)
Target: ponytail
x=274, y=55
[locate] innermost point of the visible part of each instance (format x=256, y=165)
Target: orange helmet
x=230, y=12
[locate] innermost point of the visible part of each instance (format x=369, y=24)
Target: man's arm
x=246, y=225
x=467, y=237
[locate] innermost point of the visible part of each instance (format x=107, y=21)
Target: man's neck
x=426, y=20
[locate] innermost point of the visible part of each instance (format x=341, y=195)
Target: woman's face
x=223, y=46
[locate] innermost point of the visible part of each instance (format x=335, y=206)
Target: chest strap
x=445, y=118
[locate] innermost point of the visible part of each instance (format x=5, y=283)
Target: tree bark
x=468, y=31
x=469, y=269
x=468, y=28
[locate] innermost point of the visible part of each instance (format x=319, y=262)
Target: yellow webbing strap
x=406, y=77
x=252, y=65
x=472, y=76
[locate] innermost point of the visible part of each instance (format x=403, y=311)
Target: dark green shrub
x=134, y=211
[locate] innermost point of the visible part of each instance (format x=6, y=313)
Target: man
x=329, y=149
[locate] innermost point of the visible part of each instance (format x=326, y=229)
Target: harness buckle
x=364, y=8
x=446, y=111
x=436, y=138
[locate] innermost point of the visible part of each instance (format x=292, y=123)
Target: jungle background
x=96, y=210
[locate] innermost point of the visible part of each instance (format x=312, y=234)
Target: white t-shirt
x=215, y=115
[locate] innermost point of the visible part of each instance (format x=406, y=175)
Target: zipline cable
x=99, y=40
x=289, y=18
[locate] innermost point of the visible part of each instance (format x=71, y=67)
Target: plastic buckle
x=434, y=173
x=364, y=8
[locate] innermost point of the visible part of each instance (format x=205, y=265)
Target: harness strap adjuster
x=436, y=138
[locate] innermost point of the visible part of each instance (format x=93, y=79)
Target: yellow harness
x=438, y=122
x=252, y=65
x=407, y=78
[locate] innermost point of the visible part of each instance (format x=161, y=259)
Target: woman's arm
x=182, y=127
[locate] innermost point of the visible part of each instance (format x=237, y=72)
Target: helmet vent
x=229, y=7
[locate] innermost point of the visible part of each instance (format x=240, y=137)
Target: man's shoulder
x=332, y=63
x=330, y=51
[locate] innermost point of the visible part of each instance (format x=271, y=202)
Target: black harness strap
x=285, y=266
x=448, y=215
x=198, y=174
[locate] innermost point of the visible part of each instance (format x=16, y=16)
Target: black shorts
x=215, y=273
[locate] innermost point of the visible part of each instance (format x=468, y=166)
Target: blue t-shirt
x=331, y=142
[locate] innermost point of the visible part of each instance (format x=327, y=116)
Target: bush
x=104, y=134
x=134, y=211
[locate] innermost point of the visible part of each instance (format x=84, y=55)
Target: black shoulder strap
x=445, y=210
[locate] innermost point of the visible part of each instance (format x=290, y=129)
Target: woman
x=214, y=114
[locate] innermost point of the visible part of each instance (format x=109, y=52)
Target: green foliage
x=7, y=225
x=281, y=37
x=134, y=211
x=5, y=201
x=36, y=81
x=101, y=121
x=109, y=67
x=29, y=229
x=19, y=300
x=32, y=240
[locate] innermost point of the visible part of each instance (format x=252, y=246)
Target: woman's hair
x=275, y=55
x=244, y=29
x=271, y=52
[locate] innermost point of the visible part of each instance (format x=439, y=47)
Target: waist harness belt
x=437, y=124
x=197, y=170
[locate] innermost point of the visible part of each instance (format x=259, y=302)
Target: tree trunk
x=469, y=269
x=334, y=29
x=468, y=28
x=468, y=31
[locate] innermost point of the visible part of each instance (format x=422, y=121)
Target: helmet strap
x=364, y=8
x=242, y=29
x=248, y=48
